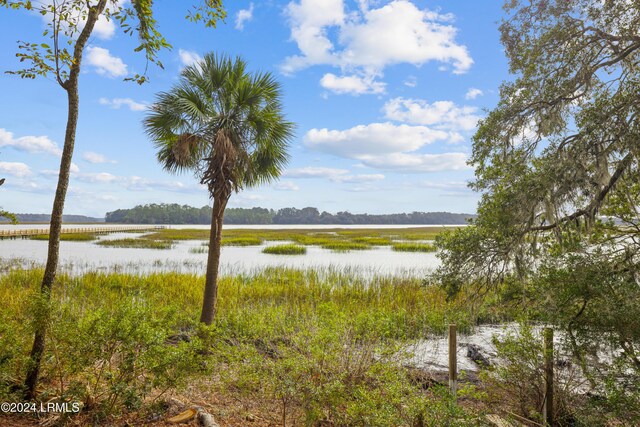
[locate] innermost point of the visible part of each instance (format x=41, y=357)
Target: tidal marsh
x=136, y=243
x=69, y=237
x=285, y=250
x=284, y=340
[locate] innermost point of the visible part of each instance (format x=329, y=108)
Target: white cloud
x=411, y=81
x=189, y=57
x=314, y=172
x=116, y=103
x=358, y=179
x=105, y=63
x=16, y=169
x=104, y=29
x=286, y=186
x=371, y=39
x=29, y=144
x=244, y=15
x=96, y=158
x=94, y=178
x=473, y=93
x=375, y=138
x=417, y=163
x=440, y=114
x=353, y=84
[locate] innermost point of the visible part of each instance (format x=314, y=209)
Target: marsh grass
x=345, y=246
x=290, y=249
x=242, y=241
x=137, y=243
x=309, y=236
x=199, y=250
x=313, y=344
x=70, y=237
x=413, y=247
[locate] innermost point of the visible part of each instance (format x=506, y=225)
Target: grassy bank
x=305, y=346
x=70, y=237
x=136, y=243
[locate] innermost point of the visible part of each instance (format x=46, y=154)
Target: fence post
x=548, y=377
x=453, y=361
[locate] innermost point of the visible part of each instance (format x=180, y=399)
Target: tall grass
x=304, y=343
x=413, y=247
x=136, y=243
x=285, y=250
x=71, y=237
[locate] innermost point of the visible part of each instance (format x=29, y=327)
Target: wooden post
x=453, y=361
x=548, y=377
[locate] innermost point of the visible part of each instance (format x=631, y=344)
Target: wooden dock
x=27, y=232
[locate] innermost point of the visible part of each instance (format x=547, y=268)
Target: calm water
x=82, y=256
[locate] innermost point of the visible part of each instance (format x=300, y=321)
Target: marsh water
x=77, y=257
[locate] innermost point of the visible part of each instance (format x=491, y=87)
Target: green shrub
x=413, y=247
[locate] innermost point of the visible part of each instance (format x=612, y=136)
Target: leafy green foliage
x=65, y=22
x=557, y=164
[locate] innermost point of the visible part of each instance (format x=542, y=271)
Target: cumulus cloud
x=370, y=39
x=29, y=144
x=417, y=163
x=375, y=138
x=104, y=63
x=96, y=158
x=16, y=169
x=355, y=85
x=189, y=57
x=473, y=93
x=117, y=103
x=243, y=16
x=386, y=146
x=441, y=114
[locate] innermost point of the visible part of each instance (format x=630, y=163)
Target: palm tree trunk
x=55, y=226
x=213, y=261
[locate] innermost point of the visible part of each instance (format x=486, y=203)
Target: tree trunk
x=213, y=261
x=55, y=226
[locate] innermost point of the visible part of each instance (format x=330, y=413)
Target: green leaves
x=236, y=118
x=65, y=21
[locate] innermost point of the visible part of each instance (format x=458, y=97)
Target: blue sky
x=385, y=95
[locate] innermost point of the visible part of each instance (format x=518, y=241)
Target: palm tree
x=226, y=126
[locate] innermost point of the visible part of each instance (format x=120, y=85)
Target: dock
x=27, y=232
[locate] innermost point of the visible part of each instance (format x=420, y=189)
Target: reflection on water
x=78, y=257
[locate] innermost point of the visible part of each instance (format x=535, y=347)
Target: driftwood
x=204, y=418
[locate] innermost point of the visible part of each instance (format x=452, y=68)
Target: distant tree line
x=183, y=214
x=25, y=217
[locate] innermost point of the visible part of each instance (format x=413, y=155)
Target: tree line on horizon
x=183, y=214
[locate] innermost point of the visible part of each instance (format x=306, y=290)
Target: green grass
x=316, y=340
x=71, y=237
x=317, y=236
x=413, y=247
x=374, y=241
x=285, y=250
x=345, y=246
x=241, y=241
x=199, y=250
x=136, y=243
